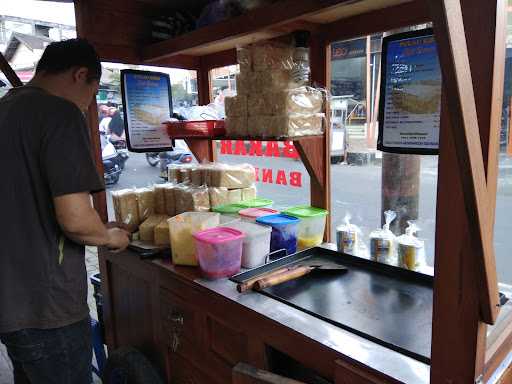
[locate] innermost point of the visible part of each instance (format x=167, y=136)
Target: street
x=355, y=190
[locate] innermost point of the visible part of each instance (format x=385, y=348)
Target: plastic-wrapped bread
x=243, y=57
x=236, y=106
x=192, y=199
x=272, y=81
x=159, y=198
x=147, y=228
x=162, y=236
x=303, y=100
x=218, y=196
x=145, y=202
x=170, y=204
x=236, y=126
x=271, y=56
x=234, y=196
x=287, y=125
x=231, y=177
x=244, y=83
x=172, y=173
x=198, y=175
x=184, y=175
x=126, y=208
x=249, y=193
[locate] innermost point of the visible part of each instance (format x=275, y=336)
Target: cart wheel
x=129, y=366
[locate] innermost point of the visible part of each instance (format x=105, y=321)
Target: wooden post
x=9, y=72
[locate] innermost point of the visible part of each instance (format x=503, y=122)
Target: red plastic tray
x=196, y=128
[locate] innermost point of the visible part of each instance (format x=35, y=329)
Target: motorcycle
x=113, y=161
x=176, y=156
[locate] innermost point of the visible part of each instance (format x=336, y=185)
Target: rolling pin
x=275, y=279
x=247, y=285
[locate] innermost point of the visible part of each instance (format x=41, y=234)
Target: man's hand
x=118, y=239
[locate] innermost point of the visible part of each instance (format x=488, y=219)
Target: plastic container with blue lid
x=284, y=231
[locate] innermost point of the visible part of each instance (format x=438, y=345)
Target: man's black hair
x=63, y=55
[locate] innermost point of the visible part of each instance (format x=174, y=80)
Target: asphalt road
x=356, y=190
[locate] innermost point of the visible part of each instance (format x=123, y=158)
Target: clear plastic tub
x=284, y=231
x=228, y=221
x=256, y=243
x=219, y=251
x=251, y=214
x=257, y=203
x=181, y=229
x=311, y=227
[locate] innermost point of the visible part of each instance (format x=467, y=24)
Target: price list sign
x=147, y=104
x=409, y=110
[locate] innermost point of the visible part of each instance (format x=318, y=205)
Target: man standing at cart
x=47, y=218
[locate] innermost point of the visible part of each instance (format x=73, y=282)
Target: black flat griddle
x=385, y=304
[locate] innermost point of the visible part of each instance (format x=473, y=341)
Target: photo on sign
x=410, y=106
x=148, y=103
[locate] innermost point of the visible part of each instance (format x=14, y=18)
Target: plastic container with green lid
x=257, y=203
x=229, y=209
x=311, y=226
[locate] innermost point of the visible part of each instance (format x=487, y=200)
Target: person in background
x=104, y=118
x=116, y=126
x=48, y=218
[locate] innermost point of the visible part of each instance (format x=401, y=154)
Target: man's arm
x=81, y=223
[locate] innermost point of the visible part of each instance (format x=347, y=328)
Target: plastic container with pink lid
x=219, y=251
x=251, y=214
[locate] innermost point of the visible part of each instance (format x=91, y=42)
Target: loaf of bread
x=236, y=126
x=243, y=83
x=184, y=174
x=145, y=202
x=192, y=199
x=236, y=106
x=234, y=196
x=231, y=176
x=243, y=57
x=170, y=204
x=292, y=125
x=198, y=175
x=303, y=100
x=147, y=228
x=249, y=193
x=162, y=236
x=126, y=208
x=218, y=196
x=272, y=81
x=172, y=173
x=159, y=198
x=271, y=57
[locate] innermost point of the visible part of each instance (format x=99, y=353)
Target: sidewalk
x=91, y=261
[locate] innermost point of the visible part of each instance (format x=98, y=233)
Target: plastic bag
x=145, y=202
x=172, y=173
x=303, y=100
x=147, y=228
x=126, y=208
x=286, y=126
x=347, y=236
x=234, y=196
x=411, y=250
x=249, y=193
x=382, y=241
x=236, y=106
x=190, y=198
x=159, y=198
x=218, y=196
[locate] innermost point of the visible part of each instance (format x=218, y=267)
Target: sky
x=61, y=13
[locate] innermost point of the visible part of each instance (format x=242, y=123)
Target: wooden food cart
x=197, y=331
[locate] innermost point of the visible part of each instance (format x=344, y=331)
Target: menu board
x=147, y=103
x=409, y=110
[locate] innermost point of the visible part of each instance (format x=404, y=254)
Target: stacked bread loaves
x=269, y=103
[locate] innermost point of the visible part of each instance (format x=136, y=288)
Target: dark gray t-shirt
x=44, y=153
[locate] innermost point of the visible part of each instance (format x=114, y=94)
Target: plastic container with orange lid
x=219, y=251
x=251, y=214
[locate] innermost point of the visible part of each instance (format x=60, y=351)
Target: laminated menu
x=249, y=193
x=147, y=228
x=126, y=208
x=302, y=100
x=236, y=106
x=231, y=176
x=162, y=236
x=145, y=202
x=286, y=126
x=218, y=196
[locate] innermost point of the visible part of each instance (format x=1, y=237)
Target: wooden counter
x=197, y=330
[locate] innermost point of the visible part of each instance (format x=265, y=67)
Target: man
x=47, y=217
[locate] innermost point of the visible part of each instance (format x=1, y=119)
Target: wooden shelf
x=263, y=23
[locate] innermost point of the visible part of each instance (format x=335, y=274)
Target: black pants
x=51, y=356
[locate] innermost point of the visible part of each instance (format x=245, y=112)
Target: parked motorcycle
x=113, y=161
x=177, y=156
